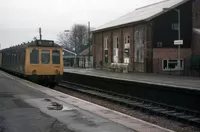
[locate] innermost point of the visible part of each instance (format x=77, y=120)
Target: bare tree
x=34, y=38
x=63, y=39
x=78, y=37
x=75, y=39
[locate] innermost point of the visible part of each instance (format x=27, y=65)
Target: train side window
x=34, y=56
x=56, y=56
x=45, y=54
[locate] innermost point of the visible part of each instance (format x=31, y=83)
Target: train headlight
x=57, y=72
x=34, y=72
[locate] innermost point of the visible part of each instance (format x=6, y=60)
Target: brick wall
x=196, y=43
x=196, y=13
x=98, y=43
x=120, y=33
x=160, y=54
x=172, y=53
x=97, y=49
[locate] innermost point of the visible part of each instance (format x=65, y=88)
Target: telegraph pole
x=40, y=33
x=89, y=42
x=179, y=38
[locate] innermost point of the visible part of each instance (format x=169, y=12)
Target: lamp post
x=179, y=33
x=89, y=43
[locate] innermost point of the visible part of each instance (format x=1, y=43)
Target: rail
x=176, y=113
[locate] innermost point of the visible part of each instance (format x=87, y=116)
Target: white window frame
x=106, y=43
x=126, y=39
x=168, y=61
x=126, y=47
x=115, y=49
x=115, y=42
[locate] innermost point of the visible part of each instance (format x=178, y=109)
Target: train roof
x=35, y=43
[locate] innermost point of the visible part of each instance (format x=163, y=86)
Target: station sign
x=178, y=42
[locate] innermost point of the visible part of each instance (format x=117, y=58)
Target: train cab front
x=45, y=65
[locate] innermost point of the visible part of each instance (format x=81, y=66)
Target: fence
x=79, y=62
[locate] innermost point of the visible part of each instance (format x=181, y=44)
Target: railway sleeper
x=187, y=117
x=176, y=113
x=158, y=109
x=195, y=119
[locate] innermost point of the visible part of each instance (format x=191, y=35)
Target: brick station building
x=144, y=38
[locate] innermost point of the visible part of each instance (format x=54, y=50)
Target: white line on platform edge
x=7, y=75
x=23, y=82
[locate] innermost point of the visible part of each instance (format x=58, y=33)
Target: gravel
x=158, y=120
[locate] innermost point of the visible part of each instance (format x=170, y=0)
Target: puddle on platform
x=66, y=108
x=57, y=106
x=48, y=100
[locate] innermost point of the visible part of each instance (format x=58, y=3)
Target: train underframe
x=46, y=80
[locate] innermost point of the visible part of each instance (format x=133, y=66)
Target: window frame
x=181, y=64
x=52, y=56
x=41, y=56
x=38, y=61
x=106, y=43
x=126, y=39
x=159, y=44
x=115, y=42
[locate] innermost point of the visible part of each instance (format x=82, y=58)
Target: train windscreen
x=34, y=56
x=56, y=56
x=45, y=54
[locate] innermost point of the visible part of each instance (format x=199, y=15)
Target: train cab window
x=56, y=56
x=45, y=54
x=34, y=56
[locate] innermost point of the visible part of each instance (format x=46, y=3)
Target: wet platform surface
x=28, y=107
x=18, y=116
x=148, y=78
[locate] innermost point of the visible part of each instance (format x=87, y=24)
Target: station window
x=45, y=54
x=105, y=43
x=56, y=56
x=175, y=26
x=172, y=65
x=159, y=44
x=34, y=56
x=115, y=43
x=126, y=39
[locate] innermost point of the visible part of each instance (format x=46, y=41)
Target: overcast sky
x=20, y=19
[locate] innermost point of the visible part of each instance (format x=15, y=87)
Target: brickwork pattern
x=196, y=44
x=196, y=13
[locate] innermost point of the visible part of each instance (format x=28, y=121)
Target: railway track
x=172, y=112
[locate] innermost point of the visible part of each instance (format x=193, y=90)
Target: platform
x=148, y=78
x=28, y=107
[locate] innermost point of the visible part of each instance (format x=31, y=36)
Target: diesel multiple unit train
x=40, y=61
